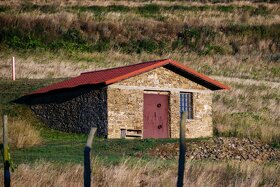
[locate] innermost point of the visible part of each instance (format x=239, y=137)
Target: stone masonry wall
x=125, y=110
x=74, y=111
x=161, y=77
x=126, y=99
x=201, y=125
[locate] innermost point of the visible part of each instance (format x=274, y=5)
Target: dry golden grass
x=47, y=65
x=209, y=17
x=249, y=110
x=210, y=174
x=129, y=3
x=21, y=134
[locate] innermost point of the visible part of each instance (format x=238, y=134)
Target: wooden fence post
x=182, y=153
x=14, y=69
x=87, y=168
x=7, y=175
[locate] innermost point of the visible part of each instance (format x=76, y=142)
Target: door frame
x=159, y=92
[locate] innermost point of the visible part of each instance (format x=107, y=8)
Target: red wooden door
x=155, y=116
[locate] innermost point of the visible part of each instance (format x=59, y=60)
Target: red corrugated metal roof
x=110, y=76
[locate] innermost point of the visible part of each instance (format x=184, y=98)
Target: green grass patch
x=224, y=8
x=68, y=147
x=260, y=11
x=255, y=32
x=4, y=8
x=101, y=10
x=151, y=9
x=11, y=90
x=28, y=7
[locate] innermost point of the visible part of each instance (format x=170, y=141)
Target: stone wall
x=201, y=125
x=125, y=110
x=163, y=78
x=75, y=110
x=126, y=99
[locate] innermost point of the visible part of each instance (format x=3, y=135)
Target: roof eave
x=218, y=84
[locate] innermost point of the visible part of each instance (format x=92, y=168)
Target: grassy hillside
x=150, y=28
x=246, y=111
x=236, y=39
x=52, y=40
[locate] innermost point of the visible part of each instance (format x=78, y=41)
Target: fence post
x=14, y=69
x=7, y=175
x=87, y=168
x=182, y=151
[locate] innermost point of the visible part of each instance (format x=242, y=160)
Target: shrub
x=101, y=45
x=223, y=8
x=3, y=8
x=26, y=42
x=261, y=10
x=149, y=9
x=196, y=38
x=28, y=7
x=118, y=8
x=213, y=49
x=139, y=46
x=103, y=9
x=98, y=10
x=73, y=36
x=186, y=8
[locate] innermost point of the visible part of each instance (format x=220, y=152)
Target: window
x=186, y=104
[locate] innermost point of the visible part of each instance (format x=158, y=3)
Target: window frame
x=186, y=104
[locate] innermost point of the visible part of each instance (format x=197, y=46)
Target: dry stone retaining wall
x=221, y=148
x=74, y=111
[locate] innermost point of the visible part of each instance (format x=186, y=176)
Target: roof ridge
x=124, y=66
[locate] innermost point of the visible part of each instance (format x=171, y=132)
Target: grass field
x=153, y=173
x=53, y=40
x=248, y=110
x=236, y=39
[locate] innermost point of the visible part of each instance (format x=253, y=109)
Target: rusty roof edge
x=111, y=81
x=200, y=75
x=158, y=63
x=155, y=61
x=38, y=91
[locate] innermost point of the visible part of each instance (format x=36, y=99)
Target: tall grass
x=161, y=29
x=21, y=134
x=44, y=64
x=249, y=111
x=148, y=174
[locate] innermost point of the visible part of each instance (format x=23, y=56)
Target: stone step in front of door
x=132, y=133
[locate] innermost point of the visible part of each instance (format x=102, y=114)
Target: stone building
x=143, y=100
